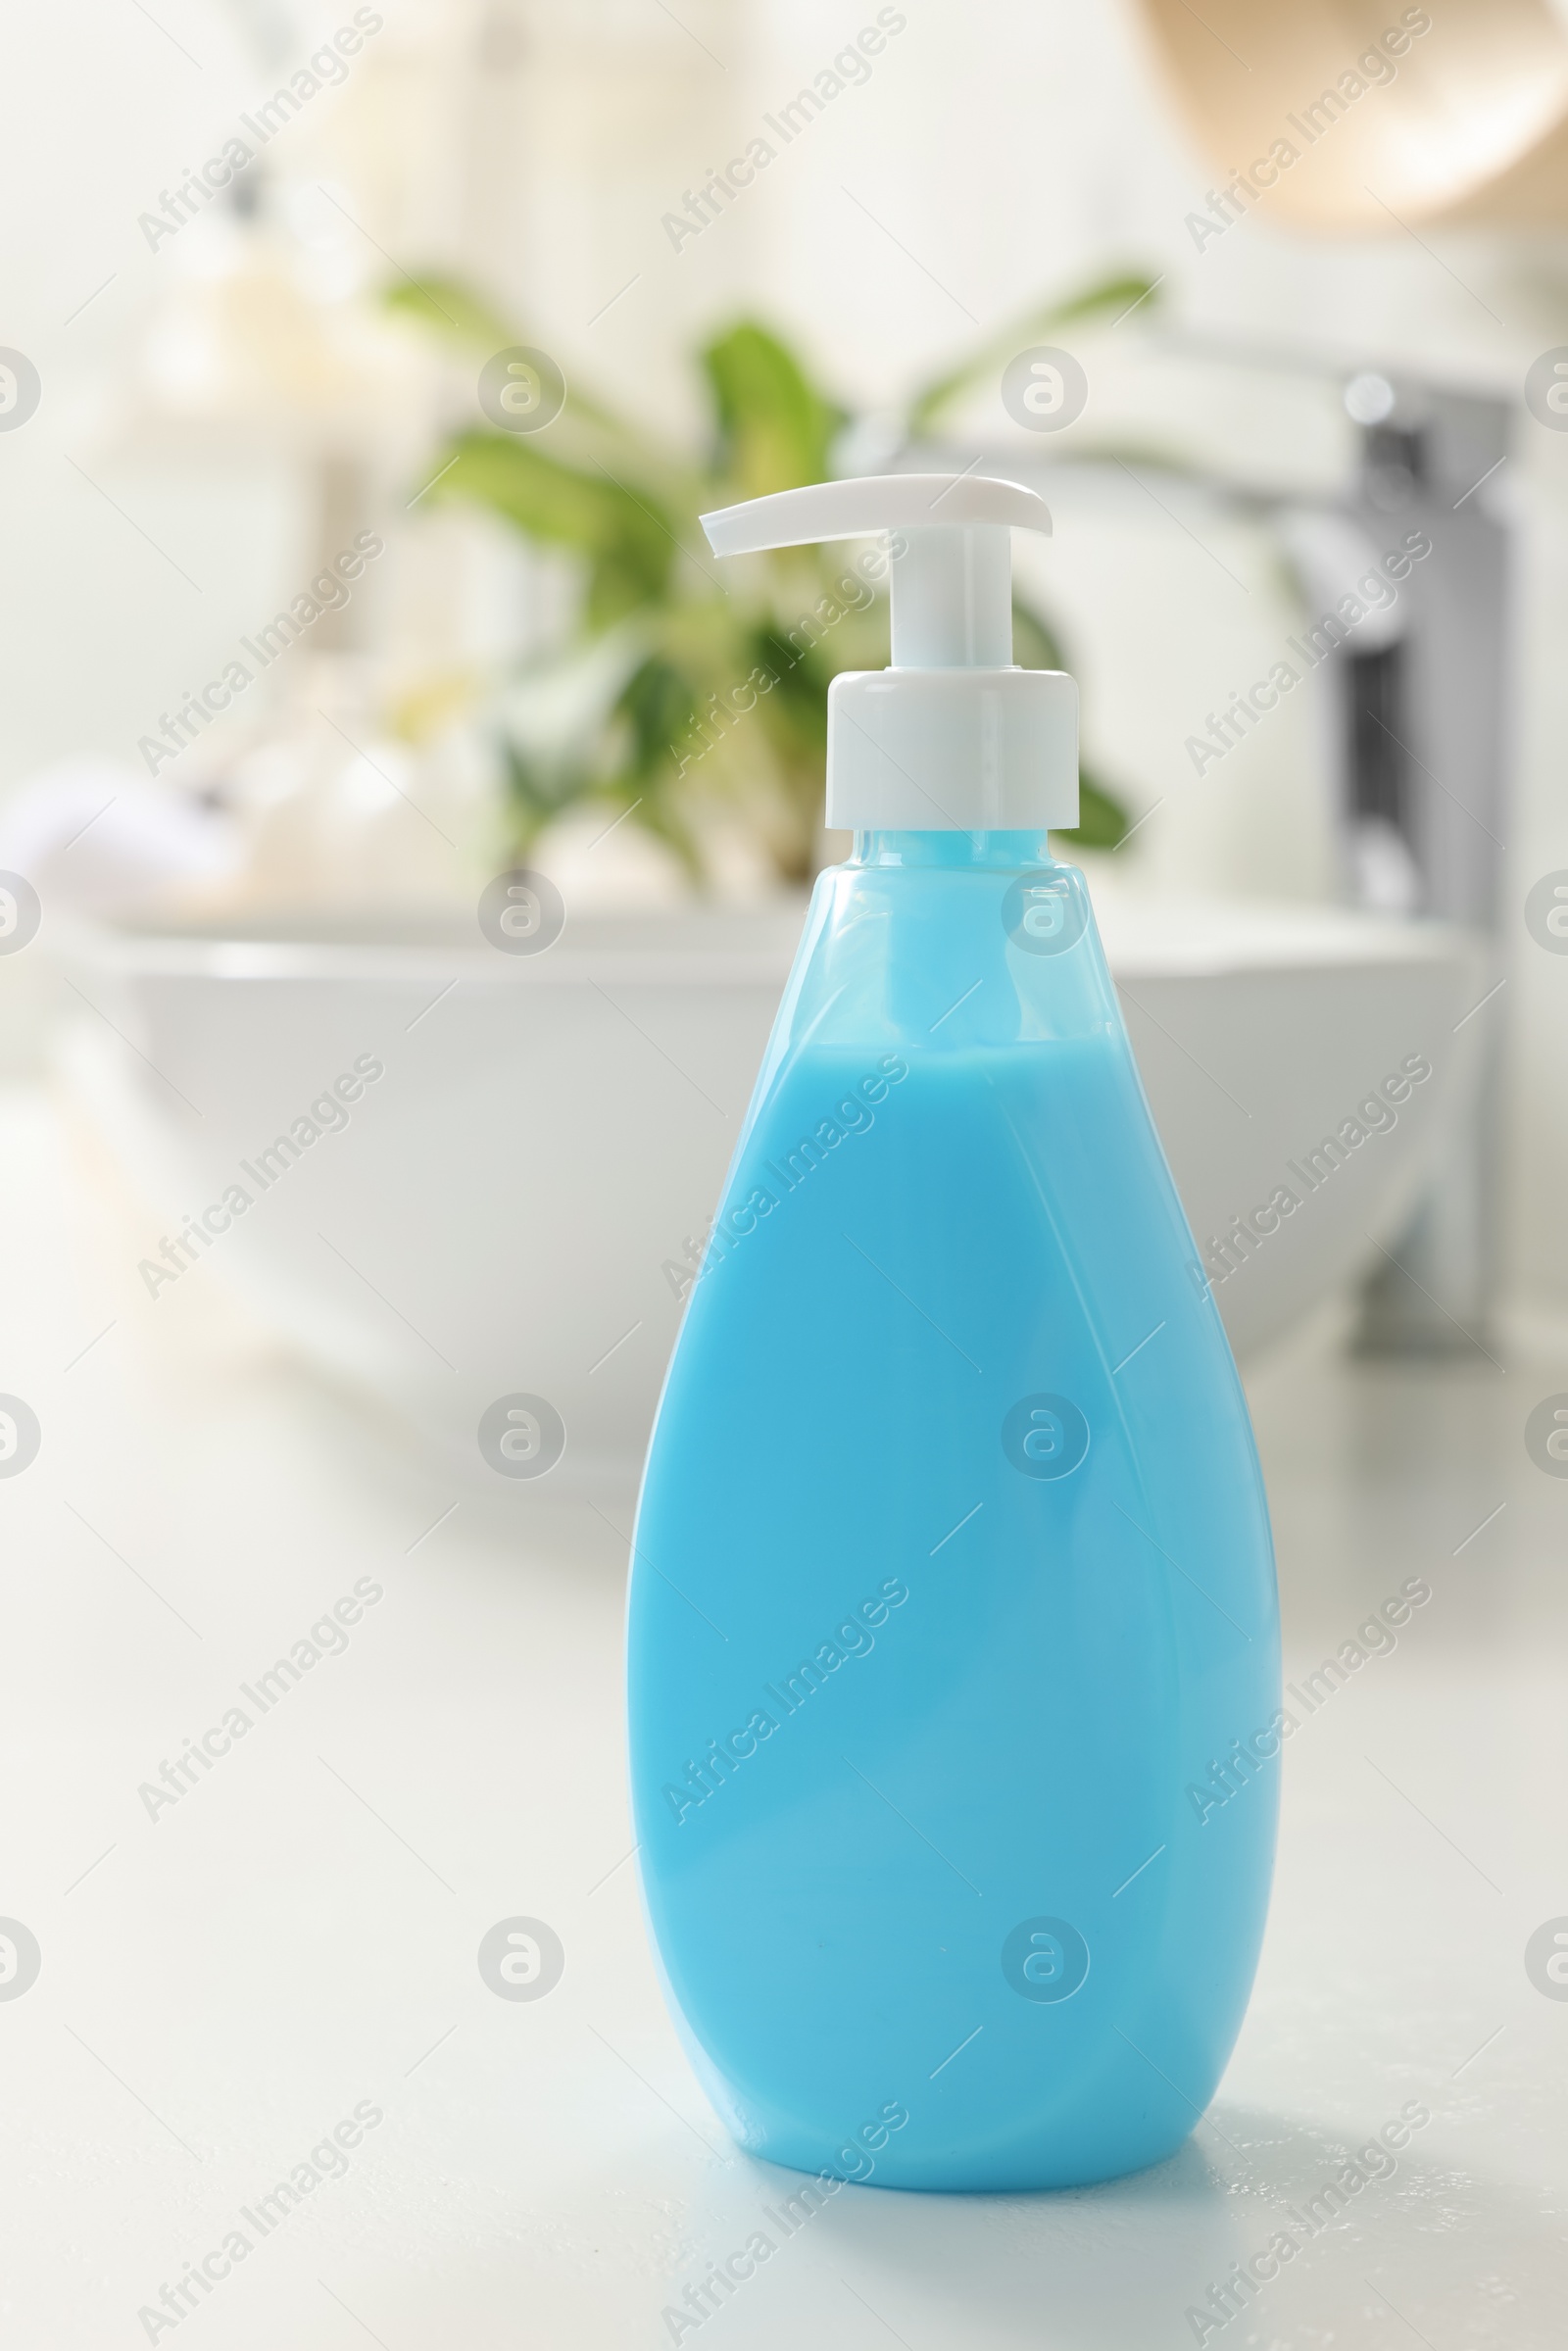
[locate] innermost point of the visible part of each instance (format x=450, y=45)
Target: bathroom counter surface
x=268, y=2083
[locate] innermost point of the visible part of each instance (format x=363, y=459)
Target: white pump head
x=952, y=737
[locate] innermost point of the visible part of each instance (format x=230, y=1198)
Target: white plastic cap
x=952, y=737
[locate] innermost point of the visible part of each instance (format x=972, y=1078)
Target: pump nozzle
x=953, y=737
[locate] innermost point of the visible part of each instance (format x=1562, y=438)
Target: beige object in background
x=1464, y=120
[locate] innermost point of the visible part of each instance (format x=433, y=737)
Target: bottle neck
x=1002, y=851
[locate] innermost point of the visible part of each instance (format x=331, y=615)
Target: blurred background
x=391, y=820
x=356, y=559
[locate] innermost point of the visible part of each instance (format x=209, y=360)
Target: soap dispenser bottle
x=953, y=1637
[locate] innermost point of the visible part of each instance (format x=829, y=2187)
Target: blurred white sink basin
x=497, y=1214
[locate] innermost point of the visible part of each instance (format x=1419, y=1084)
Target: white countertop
x=297, y=1935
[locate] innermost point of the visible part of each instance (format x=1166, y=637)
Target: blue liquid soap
x=953, y=1577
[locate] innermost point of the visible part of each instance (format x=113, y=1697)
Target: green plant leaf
x=1033, y=643
x=651, y=741
x=630, y=546
x=459, y=315
x=1102, y=818
x=774, y=427
x=795, y=709
x=535, y=793
x=451, y=310
x=1117, y=294
x=658, y=705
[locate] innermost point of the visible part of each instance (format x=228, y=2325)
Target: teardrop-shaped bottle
x=952, y=1633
